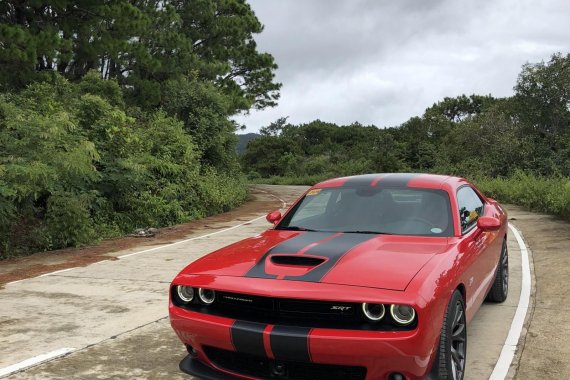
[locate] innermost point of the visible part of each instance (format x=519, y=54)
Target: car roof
x=412, y=180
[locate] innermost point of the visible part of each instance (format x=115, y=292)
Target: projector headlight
x=185, y=293
x=403, y=314
x=373, y=311
x=207, y=296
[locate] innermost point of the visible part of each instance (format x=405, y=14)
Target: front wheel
x=500, y=289
x=452, y=352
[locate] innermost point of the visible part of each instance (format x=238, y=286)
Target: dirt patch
x=262, y=200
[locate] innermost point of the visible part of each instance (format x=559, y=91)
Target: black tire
x=452, y=353
x=500, y=289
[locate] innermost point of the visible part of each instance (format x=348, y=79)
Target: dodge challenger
x=367, y=277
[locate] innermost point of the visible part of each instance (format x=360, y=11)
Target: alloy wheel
x=458, y=342
x=505, y=269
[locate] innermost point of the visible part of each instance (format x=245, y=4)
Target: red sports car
x=365, y=277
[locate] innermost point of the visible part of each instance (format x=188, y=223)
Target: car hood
x=368, y=260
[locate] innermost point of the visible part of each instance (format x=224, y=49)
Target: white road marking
x=15, y=282
x=194, y=238
x=34, y=361
x=55, y=354
x=57, y=271
x=64, y=351
x=283, y=204
x=509, y=348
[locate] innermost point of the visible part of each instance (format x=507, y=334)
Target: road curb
x=513, y=370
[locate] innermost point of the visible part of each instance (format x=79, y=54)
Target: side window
x=470, y=207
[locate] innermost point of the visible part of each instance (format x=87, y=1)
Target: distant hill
x=243, y=140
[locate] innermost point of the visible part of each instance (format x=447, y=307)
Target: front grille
x=294, y=312
x=254, y=366
x=287, y=307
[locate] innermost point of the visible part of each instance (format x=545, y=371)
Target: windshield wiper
x=296, y=228
x=366, y=232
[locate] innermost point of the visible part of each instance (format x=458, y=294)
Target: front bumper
x=198, y=369
x=381, y=353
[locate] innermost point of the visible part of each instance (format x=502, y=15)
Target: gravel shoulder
x=545, y=351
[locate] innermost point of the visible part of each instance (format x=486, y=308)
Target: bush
x=220, y=192
x=75, y=167
x=549, y=195
x=48, y=171
x=68, y=221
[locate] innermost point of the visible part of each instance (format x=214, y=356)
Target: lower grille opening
x=250, y=365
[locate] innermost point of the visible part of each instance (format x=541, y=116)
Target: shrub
x=75, y=167
x=219, y=192
x=549, y=195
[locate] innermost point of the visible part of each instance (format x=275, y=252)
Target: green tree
x=275, y=128
x=543, y=102
x=75, y=167
x=488, y=145
x=264, y=154
x=222, y=32
x=460, y=108
x=141, y=44
x=47, y=169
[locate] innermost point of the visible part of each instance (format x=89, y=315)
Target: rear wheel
x=450, y=362
x=500, y=288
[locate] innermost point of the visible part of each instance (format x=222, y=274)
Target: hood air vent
x=300, y=260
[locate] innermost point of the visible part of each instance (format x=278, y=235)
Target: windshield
x=398, y=211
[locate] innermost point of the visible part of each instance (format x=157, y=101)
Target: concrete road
x=545, y=351
x=112, y=315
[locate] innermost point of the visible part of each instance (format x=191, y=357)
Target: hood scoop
x=297, y=260
x=292, y=265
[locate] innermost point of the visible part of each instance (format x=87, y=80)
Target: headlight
x=206, y=295
x=403, y=314
x=185, y=293
x=373, y=311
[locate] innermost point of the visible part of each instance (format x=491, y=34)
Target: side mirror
x=488, y=223
x=274, y=217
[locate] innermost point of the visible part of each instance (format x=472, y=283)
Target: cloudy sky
x=382, y=61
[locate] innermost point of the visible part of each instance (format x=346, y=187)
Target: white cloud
x=382, y=62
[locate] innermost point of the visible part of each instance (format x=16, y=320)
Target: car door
x=474, y=247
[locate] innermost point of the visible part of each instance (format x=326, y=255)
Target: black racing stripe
x=292, y=245
x=361, y=180
x=247, y=337
x=333, y=249
x=396, y=180
x=290, y=343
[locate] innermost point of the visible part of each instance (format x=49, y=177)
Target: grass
x=548, y=195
